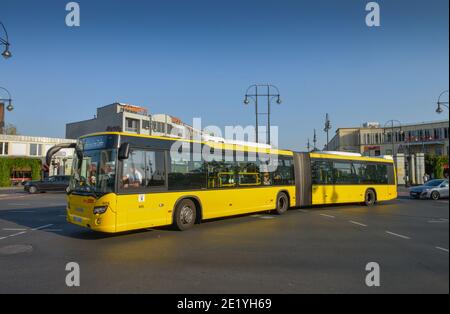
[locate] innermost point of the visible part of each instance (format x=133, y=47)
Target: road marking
x=436, y=221
x=42, y=227
x=398, y=235
x=16, y=234
x=442, y=249
x=357, y=223
x=18, y=204
x=328, y=216
x=14, y=229
x=266, y=217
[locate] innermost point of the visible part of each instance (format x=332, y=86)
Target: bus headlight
x=100, y=210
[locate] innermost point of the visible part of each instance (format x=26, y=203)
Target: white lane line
x=328, y=216
x=16, y=234
x=436, y=221
x=398, y=235
x=442, y=249
x=14, y=229
x=266, y=217
x=357, y=223
x=42, y=227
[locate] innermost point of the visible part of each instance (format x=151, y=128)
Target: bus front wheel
x=185, y=215
x=370, y=198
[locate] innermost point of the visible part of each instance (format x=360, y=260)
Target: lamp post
x=262, y=90
x=5, y=42
x=392, y=127
x=327, y=128
x=315, y=140
x=9, y=107
x=441, y=104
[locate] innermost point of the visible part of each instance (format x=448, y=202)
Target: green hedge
x=435, y=165
x=8, y=163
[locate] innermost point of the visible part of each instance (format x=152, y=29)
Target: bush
x=8, y=163
x=435, y=165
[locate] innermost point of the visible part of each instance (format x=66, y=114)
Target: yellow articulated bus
x=126, y=182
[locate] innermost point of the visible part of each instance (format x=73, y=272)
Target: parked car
x=434, y=189
x=53, y=183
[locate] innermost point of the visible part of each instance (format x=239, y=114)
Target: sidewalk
x=4, y=191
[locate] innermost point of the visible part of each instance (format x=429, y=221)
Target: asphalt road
x=318, y=250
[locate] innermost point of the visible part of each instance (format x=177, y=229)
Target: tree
x=435, y=165
x=11, y=129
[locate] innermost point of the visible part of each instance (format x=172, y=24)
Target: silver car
x=434, y=189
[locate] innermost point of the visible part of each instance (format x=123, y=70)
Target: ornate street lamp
x=441, y=104
x=5, y=42
x=262, y=90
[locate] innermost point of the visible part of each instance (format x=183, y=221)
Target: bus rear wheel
x=185, y=215
x=282, y=204
x=370, y=198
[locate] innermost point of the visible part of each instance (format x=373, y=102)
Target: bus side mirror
x=124, y=151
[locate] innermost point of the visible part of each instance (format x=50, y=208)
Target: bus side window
x=133, y=174
x=322, y=172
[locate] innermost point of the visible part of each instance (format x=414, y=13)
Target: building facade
x=120, y=117
x=409, y=143
x=430, y=138
x=37, y=147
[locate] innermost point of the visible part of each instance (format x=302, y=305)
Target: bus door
x=143, y=178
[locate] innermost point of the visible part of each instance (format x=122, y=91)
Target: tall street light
x=5, y=42
x=327, y=128
x=441, y=104
x=315, y=140
x=9, y=107
x=262, y=90
x=392, y=124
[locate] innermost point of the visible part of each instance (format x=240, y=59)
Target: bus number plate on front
x=77, y=219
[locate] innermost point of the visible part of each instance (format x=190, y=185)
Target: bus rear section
x=336, y=178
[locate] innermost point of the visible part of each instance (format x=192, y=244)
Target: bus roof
x=217, y=145
x=326, y=155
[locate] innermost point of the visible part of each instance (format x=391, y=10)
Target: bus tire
x=282, y=203
x=370, y=198
x=185, y=215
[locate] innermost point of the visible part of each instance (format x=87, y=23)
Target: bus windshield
x=96, y=173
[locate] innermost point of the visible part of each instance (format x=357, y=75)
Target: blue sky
x=196, y=58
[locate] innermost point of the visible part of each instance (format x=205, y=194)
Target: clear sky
x=195, y=58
